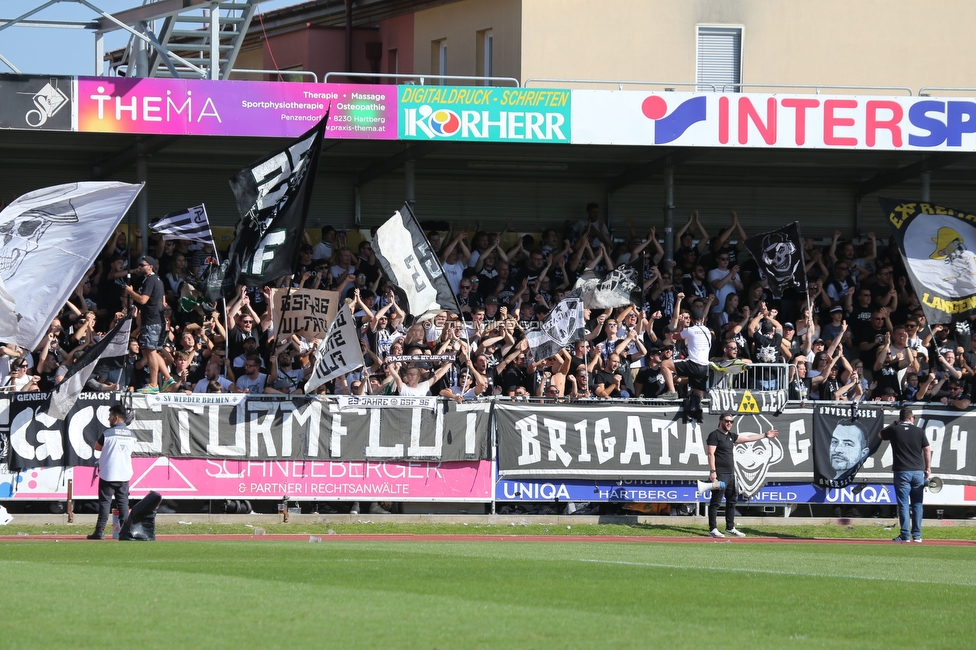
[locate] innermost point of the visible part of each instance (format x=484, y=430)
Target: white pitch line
x=780, y=573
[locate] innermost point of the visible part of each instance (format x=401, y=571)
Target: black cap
x=151, y=261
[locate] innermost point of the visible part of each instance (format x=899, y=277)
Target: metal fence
x=749, y=376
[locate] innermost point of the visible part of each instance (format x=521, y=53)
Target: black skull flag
x=779, y=255
x=938, y=246
x=49, y=239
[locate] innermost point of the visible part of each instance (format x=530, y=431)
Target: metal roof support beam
x=148, y=12
x=160, y=52
x=16, y=20
x=643, y=172
x=410, y=152
x=927, y=164
x=142, y=37
x=144, y=146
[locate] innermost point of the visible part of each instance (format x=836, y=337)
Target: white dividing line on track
x=662, y=565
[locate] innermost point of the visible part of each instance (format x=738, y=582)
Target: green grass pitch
x=486, y=594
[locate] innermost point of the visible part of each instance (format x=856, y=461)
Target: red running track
x=490, y=538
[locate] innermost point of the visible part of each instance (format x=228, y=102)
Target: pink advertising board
x=234, y=108
x=183, y=478
x=37, y=484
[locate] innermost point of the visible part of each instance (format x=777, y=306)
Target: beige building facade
x=829, y=43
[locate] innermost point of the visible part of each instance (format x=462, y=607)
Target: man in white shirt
x=410, y=385
x=212, y=374
x=114, y=469
x=699, y=341
x=723, y=281
x=454, y=260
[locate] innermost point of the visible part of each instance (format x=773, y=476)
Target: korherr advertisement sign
x=484, y=114
x=35, y=103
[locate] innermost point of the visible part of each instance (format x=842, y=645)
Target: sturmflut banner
x=235, y=426
x=645, y=442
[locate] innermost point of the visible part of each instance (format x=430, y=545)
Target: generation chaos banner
x=237, y=426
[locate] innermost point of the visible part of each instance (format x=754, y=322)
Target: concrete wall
x=398, y=34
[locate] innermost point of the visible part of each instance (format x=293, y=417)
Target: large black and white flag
x=108, y=351
x=616, y=288
x=564, y=325
x=779, y=256
x=843, y=438
x=272, y=195
x=338, y=353
x=49, y=238
x=938, y=246
x=191, y=224
x=411, y=263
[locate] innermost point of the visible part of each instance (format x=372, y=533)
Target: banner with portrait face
x=843, y=438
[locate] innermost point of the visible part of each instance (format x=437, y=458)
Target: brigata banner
x=246, y=427
x=725, y=119
x=638, y=491
x=484, y=114
x=301, y=480
x=619, y=441
x=248, y=108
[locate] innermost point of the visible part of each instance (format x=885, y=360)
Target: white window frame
x=736, y=85
x=488, y=51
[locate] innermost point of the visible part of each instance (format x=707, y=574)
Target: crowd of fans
x=865, y=338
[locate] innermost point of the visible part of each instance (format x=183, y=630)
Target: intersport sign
x=783, y=121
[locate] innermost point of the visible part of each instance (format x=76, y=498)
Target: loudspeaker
x=934, y=485
x=140, y=526
x=704, y=486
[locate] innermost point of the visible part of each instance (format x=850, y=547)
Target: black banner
x=936, y=243
x=618, y=287
x=843, y=438
x=779, y=255
x=35, y=103
x=622, y=441
x=235, y=426
x=37, y=439
x=407, y=258
x=272, y=196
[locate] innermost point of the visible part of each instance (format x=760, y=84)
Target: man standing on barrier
x=114, y=469
x=912, y=467
x=695, y=367
x=721, y=468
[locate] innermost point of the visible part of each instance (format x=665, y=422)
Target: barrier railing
x=749, y=376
